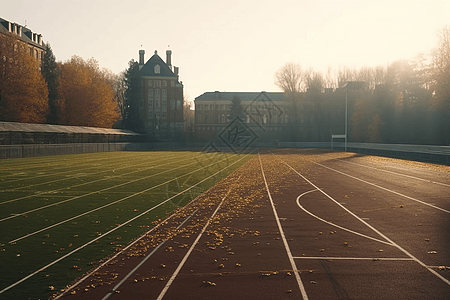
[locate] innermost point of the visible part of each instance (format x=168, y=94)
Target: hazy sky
x=235, y=45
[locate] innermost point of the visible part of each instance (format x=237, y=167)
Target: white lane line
x=371, y=227
x=114, y=229
x=86, y=183
x=165, y=221
x=112, y=168
x=383, y=188
x=53, y=173
x=106, y=205
x=335, y=225
x=355, y=258
x=114, y=289
x=395, y=173
x=174, y=275
x=94, y=192
x=113, y=257
x=283, y=237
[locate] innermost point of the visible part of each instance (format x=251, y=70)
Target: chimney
x=169, y=58
x=175, y=70
x=141, y=57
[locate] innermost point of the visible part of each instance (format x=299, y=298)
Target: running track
x=296, y=225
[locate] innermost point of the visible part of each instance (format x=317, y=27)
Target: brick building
x=34, y=41
x=271, y=116
x=161, y=102
x=264, y=112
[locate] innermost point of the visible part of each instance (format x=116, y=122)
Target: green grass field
x=53, y=208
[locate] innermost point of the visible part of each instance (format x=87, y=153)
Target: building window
x=150, y=94
x=199, y=107
x=222, y=107
x=178, y=104
x=224, y=119
x=157, y=69
x=206, y=106
x=172, y=83
x=199, y=118
x=150, y=83
x=164, y=94
x=150, y=112
x=164, y=103
x=157, y=103
x=164, y=83
x=164, y=115
x=157, y=83
x=172, y=104
x=212, y=107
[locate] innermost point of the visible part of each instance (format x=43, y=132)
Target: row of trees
x=405, y=102
x=75, y=92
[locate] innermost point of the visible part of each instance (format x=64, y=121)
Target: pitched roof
x=149, y=68
x=25, y=33
x=244, y=96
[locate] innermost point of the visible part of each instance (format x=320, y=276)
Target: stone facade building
x=34, y=41
x=161, y=101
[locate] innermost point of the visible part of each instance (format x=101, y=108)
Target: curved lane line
x=335, y=225
x=371, y=227
x=383, y=188
x=283, y=237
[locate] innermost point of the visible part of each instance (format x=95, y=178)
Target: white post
x=346, y=96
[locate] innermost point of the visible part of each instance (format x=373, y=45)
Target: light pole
x=346, y=114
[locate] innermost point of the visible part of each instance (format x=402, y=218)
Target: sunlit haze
x=235, y=45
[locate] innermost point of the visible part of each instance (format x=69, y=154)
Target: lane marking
x=335, y=225
x=106, y=205
x=355, y=258
x=183, y=261
x=112, y=230
x=283, y=237
x=112, y=168
x=391, y=172
x=114, y=256
x=46, y=193
x=371, y=227
x=114, y=289
x=70, y=167
x=383, y=188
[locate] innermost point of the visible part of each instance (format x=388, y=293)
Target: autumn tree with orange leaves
x=86, y=94
x=23, y=91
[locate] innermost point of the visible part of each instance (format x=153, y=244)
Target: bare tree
x=314, y=81
x=289, y=78
x=440, y=70
x=439, y=83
